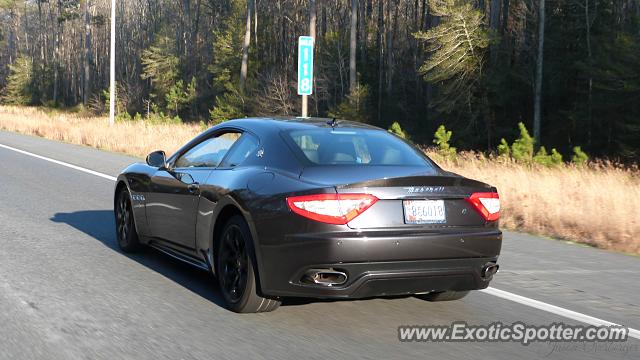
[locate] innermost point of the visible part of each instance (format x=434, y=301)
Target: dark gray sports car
x=311, y=208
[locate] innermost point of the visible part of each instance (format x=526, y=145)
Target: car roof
x=267, y=124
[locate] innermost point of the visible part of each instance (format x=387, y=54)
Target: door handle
x=193, y=188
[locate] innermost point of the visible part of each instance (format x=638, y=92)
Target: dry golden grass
x=593, y=205
x=135, y=138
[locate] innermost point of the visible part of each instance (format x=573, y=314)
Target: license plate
x=424, y=212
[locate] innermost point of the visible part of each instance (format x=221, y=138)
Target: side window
x=247, y=145
x=208, y=153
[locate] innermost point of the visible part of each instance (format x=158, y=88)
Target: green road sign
x=305, y=65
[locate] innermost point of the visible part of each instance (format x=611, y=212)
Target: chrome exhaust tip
x=325, y=277
x=488, y=270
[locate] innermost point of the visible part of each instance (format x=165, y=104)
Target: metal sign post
x=305, y=70
x=112, y=66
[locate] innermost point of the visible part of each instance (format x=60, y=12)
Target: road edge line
x=62, y=163
x=557, y=310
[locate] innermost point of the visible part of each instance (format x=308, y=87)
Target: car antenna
x=333, y=123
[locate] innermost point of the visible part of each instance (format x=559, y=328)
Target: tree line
x=568, y=69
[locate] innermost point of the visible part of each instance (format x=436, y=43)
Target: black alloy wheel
x=125, y=226
x=234, y=264
x=236, y=272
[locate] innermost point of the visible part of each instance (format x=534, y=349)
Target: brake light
x=487, y=204
x=336, y=209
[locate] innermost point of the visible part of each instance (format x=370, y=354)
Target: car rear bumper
x=392, y=278
x=381, y=264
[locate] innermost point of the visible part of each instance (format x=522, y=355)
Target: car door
x=175, y=192
x=226, y=178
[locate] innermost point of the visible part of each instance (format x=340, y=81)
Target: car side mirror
x=157, y=159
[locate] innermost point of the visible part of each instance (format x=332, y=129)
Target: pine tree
x=397, y=130
x=545, y=159
x=456, y=49
x=19, y=82
x=579, y=157
x=178, y=97
x=441, y=139
x=228, y=106
x=354, y=107
x=503, y=148
x=160, y=66
x=522, y=148
x=230, y=100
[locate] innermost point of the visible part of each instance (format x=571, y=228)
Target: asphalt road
x=66, y=292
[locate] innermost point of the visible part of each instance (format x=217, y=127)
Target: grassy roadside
x=592, y=204
x=135, y=138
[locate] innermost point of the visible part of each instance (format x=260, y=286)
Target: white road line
x=75, y=167
x=574, y=315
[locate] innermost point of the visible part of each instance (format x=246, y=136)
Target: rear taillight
x=336, y=209
x=487, y=204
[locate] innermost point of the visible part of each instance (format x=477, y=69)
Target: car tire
x=236, y=272
x=126, y=232
x=443, y=295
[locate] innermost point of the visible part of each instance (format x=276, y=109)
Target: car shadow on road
x=100, y=225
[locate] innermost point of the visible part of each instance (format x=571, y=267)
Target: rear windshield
x=346, y=146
